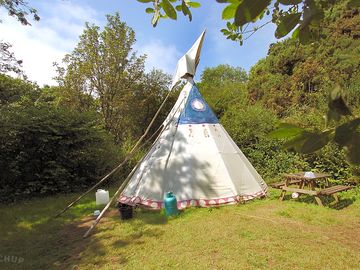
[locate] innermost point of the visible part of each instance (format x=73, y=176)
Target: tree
x=8, y=61
x=223, y=73
x=104, y=74
x=17, y=91
x=150, y=93
x=9, y=64
x=101, y=71
x=223, y=85
x=20, y=10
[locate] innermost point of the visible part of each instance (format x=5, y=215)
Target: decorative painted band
x=157, y=205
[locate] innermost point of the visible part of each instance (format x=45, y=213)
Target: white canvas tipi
x=194, y=156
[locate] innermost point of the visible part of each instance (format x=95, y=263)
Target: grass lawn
x=262, y=234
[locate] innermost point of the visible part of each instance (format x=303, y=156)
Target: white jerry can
x=102, y=196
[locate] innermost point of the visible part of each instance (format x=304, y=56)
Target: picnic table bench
x=281, y=184
x=302, y=181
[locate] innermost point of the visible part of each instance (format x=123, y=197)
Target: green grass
x=263, y=234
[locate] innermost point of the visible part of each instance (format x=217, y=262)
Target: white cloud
x=160, y=56
x=46, y=41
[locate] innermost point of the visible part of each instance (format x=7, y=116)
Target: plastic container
x=126, y=211
x=102, y=196
x=309, y=175
x=170, y=204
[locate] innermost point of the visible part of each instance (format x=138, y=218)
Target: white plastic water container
x=102, y=196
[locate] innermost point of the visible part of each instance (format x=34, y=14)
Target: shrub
x=44, y=151
x=249, y=127
x=330, y=159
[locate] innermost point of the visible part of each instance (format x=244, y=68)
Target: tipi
x=194, y=156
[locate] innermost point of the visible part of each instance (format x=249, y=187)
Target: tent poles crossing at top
x=127, y=157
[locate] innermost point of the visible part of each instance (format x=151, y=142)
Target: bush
x=44, y=150
x=330, y=159
x=249, y=127
x=271, y=160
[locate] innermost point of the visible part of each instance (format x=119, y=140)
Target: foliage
x=345, y=134
x=58, y=139
x=46, y=149
x=305, y=16
x=17, y=91
x=248, y=124
x=162, y=9
x=249, y=127
x=20, y=10
x=104, y=74
x=8, y=61
x=222, y=86
x=296, y=79
x=103, y=65
x=223, y=74
x=330, y=159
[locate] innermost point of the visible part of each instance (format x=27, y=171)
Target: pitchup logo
x=11, y=259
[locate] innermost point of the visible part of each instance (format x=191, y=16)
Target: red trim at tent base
x=157, y=205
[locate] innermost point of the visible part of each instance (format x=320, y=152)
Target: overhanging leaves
x=315, y=141
x=353, y=149
x=185, y=9
x=297, y=142
x=290, y=2
x=287, y=23
x=285, y=131
x=345, y=132
x=304, y=35
x=169, y=9
x=149, y=10
x=308, y=142
x=248, y=10
x=337, y=105
x=312, y=13
x=193, y=4
x=155, y=18
x=229, y=11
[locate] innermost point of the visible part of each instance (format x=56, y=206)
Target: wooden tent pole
x=93, y=187
x=123, y=185
x=127, y=157
x=112, y=199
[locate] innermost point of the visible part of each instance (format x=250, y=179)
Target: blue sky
x=62, y=21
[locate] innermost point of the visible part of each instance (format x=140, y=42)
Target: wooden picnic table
x=307, y=185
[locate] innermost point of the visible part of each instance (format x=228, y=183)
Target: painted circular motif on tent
x=198, y=105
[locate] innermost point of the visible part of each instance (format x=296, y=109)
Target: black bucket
x=126, y=211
